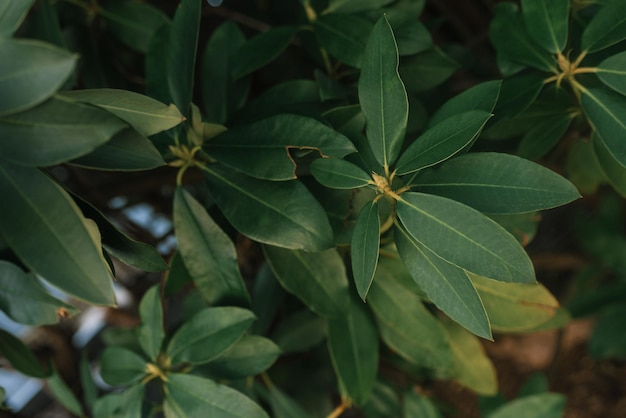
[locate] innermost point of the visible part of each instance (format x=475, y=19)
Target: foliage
x=385, y=232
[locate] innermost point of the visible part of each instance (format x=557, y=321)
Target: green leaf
x=416, y=405
x=12, y=13
x=364, y=247
x=64, y=394
x=482, y=96
x=339, y=174
x=46, y=230
x=156, y=70
x=607, y=340
x=208, y=334
x=221, y=94
x=442, y=141
x=547, y=21
x=353, y=348
x=515, y=307
x=146, y=115
x=177, y=275
x=285, y=213
x=262, y=149
x=446, y=285
x=128, y=150
x=472, y=367
x=261, y=50
x=545, y=405
x=351, y=6
x=88, y=385
x=607, y=27
x=497, y=183
x=133, y=23
x=613, y=171
x=34, y=73
x=543, y=136
x=317, y=279
x=120, y=367
x=518, y=93
x=208, y=253
x=283, y=406
x=427, y=70
x=150, y=332
x=191, y=396
x=605, y=110
x=20, y=356
x=24, y=300
x=406, y=326
x=121, y=405
x=511, y=39
x=181, y=53
x=382, y=96
x=343, y=36
x=300, y=331
x=612, y=72
x=464, y=237
x=54, y=132
x=411, y=35
x=250, y=356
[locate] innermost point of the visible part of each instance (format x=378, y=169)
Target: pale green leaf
x=612, y=72
x=261, y=50
x=607, y=27
x=343, y=36
x=547, y=21
x=605, y=111
x=120, y=367
x=150, y=333
x=133, y=23
x=364, y=247
x=339, y=174
x=12, y=13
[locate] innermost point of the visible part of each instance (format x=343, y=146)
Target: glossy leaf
x=317, y=279
x=364, y=247
x=250, y=356
x=427, y=70
x=612, y=72
x=612, y=170
x=126, y=151
x=442, y=141
x=120, y=367
x=343, y=36
x=543, y=136
x=208, y=334
x=607, y=27
x=133, y=23
x=482, y=96
x=285, y=213
x=353, y=348
x=547, y=21
x=464, y=237
x=54, y=132
x=261, y=50
x=208, y=253
x=417, y=405
x=64, y=394
x=150, y=332
x=11, y=15
x=262, y=149
x=446, y=285
x=472, y=367
x=406, y=326
x=181, y=53
x=351, y=6
x=497, y=183
x=24, y=300
x=221, y=94
x=339, y=174
x=605, y=110
x=191, y=396
x=544, y=405
x=300, y=331
x=382, y=96
x=511, y=39
x=34, y=73
x=20, y=357
x=46, y=230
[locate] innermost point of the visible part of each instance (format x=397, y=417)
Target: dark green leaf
x=464, y=237
x=24, y=300
x=497, y=183
x=351, y=6
x=208, y=334
x=150, y=332
x=133, y=23
x=339, y=174
x=54, y=132
x=482, y=96
x=46, y=230
x=612, y=72
x=190, y=396
x=300, y=331
x=353, y=348
x=262, y=149
x=90, y=389
x=222, y=95
x=416, y=405
x=250, y=356
x=285, y=213
x=208, y=253
x=607, y=27
x=267, y=299
x=261, y=50
x=34, y=73
x=11, y=15
x=157, y=85
x=412, y=36
x=542, y=137
x=121, y=405
x=64, y=394
x=382, y=96
x=343, y=36
x=613, y=171
x=442, y=141
x=605, y=111
x=607, y=340
x=364, y=247
x=518, y=93
x=120, y=367
x=545, y=405
x=177, y=276
x=446, y=285
x=318, y=279
x=547, y=21
x=45, y=23
x=283, y=406
x=427, y=70
x=20, y=357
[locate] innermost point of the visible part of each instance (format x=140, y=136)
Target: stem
x=340, y=409
x=388, y=223
x=585, y=70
